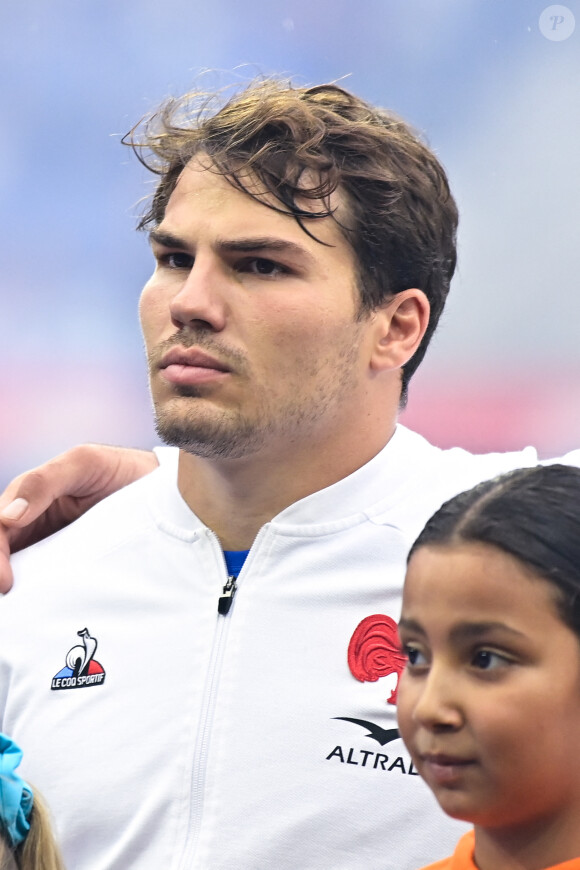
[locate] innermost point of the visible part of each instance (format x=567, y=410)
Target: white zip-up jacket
x=167, y=737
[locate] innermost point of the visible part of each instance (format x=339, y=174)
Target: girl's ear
x=400, y=326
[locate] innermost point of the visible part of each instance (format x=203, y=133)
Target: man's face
x=250, y=325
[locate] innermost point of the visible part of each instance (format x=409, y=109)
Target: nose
x=437, y=706
x=200, y=301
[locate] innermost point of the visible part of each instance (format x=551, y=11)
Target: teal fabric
x=15, y=795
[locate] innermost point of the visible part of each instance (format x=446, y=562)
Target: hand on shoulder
x=42, y=501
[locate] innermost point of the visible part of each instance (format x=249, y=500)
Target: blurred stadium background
x=494, y=87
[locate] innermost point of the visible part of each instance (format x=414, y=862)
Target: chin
x=458, y=806
x=210, y=439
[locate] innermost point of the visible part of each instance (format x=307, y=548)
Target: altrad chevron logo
x=374, y=652
x=376, y=732
x=81, y=667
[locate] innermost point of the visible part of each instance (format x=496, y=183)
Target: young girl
x=26, y=840
x=489, y=702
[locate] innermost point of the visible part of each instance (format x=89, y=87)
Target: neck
x=535, y=846
x=236, y=497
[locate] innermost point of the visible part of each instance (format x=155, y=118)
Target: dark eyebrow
x=264, y=243
x=411, y=625
x=166, y=240
x=244, y=245
x=476, y=630
x=465, y=630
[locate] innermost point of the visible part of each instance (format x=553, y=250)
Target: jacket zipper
x=227, y=596
x=187, y=859
x=206, y=715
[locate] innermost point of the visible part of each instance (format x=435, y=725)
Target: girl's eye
x=486, y=660
x=415, y=658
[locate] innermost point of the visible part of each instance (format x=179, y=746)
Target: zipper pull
x=227, y=596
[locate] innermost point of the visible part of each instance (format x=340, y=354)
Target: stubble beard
x=227, y=435
x=214, y=433
x=185, y=424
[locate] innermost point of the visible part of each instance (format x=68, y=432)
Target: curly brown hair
x=304, y=144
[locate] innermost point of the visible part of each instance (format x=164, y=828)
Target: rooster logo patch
x=374, y=651
x=81, y=667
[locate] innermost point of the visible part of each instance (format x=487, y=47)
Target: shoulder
x=462, y=463
x=462, y=858
x=113, y=522
x=455, y=469
x=419, y=477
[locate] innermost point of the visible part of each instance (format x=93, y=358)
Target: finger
x=14, y=510
x=6, y=577
x=72, y=473
x=29, y=495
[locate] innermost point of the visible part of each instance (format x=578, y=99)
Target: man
x=304, y=244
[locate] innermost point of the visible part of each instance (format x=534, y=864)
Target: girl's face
x=489, y=702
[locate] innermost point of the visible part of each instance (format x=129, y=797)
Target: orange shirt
x=462, y=858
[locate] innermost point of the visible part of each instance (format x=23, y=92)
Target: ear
x=400, y=326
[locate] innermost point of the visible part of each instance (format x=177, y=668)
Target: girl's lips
x=444, y=769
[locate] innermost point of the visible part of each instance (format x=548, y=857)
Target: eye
x=487, y=660
x=415, y=658
x=263, y=266
x=177, y=260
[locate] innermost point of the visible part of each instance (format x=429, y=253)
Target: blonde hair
x=39, y=850
x=7, y=859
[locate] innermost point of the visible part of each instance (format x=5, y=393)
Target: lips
x=442, y=768
x=192, y=367
x=180, y=356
